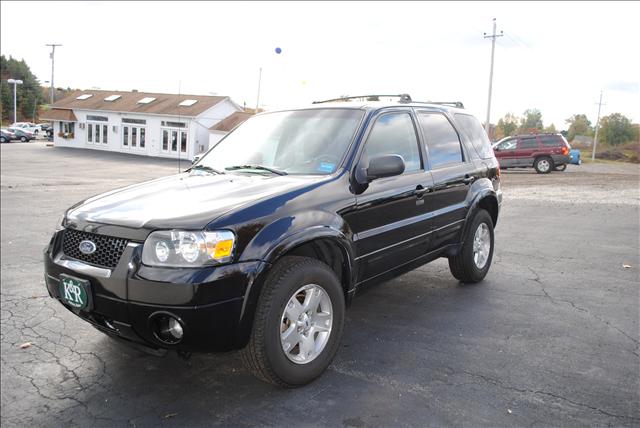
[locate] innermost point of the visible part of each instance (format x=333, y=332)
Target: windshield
x=289, y=142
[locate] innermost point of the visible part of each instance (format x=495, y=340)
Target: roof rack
x=404, y=98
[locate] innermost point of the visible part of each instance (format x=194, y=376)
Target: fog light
x=168, y=329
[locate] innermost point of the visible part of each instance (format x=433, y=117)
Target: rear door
x=452, y=172
x=525, y=151
x=390, y=224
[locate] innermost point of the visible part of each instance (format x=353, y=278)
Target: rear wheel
x=23, y=139
x=3, y=140
x=543, y=165
x=298, y=323
x=474, y=259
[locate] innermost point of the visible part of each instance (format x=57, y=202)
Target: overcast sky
x=553, y=56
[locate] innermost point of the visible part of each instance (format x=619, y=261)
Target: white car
x=27, y=126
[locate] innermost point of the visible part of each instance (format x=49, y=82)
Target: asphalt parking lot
x=550, y=338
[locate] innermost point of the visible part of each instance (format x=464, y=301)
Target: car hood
x=187, y=201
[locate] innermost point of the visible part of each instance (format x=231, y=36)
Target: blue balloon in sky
x=278, y=50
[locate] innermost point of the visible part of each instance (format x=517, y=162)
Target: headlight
x=60, y=223
x=181, y=248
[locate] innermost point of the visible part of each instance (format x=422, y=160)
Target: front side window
x=443, y=142
x=310, y=141
x=394, y=134
x=507, y=145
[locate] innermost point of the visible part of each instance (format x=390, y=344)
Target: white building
x=141, y=123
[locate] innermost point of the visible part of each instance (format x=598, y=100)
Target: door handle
x=420, y=191
x=468, y=179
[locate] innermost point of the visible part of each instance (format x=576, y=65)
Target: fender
x=334, y=229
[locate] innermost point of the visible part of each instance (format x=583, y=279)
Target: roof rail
x=404, y=98
x=457, y=104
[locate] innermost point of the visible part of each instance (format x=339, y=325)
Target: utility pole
x=259, y=81
x=493, y=48
x=595, y=138
x=51, y=55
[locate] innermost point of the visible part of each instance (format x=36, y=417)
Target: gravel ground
x=549, y=338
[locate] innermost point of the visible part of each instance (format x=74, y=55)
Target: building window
x=97, y=132
x=165, y=140
x=142, y=135
x=97, y=118
x=183, y=142
x=105, y=133
x=134, y=121
x=125, y=136
x=90, y=133
x=134, y=136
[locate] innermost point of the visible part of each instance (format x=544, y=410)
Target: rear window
x=527, y=143
x=550, y=141
x=474, y=132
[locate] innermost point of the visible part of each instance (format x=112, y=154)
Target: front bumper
x=209, y=301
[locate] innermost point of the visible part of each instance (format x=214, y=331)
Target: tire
x=3, y=140
x=463, y=266
x=265, y=356
x=543, y=165
x=561, y=167
x=23, y=139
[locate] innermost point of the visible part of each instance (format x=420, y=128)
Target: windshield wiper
x=205, y=168
x=256, y=166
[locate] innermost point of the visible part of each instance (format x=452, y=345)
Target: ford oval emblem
x=87, y=247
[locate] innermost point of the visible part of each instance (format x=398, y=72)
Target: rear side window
x=394, y=134
x=475, y=133
x=550, y=141
x=442, y=140
x=528, y=143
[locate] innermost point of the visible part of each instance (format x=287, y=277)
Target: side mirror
x=380, y=167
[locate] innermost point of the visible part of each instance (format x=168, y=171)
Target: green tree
x=29, y=94
x=578, y=125
x=551, y=128
x=616, y=129
x=507, y=126
x=532, y=121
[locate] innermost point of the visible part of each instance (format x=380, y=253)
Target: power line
x=493, y=48
x=52, y=55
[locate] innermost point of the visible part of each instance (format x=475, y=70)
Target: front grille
x=108, y=249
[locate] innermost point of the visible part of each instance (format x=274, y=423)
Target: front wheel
x=23, y=139
x=474, y=259
x=3, y=140
x=298, y=323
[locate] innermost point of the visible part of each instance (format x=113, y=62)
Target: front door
x=134, y=138
x=174, y=141
x=506, y=152
x=390, y=222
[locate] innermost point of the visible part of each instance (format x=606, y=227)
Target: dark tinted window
x=442, y=139
x=550, y=140
x=471, y=128
x=394, y=134
x=528, y=143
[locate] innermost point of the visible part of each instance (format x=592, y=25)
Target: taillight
x=565, y=150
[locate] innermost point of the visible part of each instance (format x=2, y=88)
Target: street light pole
x=15, y=82
x=52, y=54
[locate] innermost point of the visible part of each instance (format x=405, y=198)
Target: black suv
x=264, y=241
